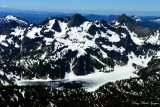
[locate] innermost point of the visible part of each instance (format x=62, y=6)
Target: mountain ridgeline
x=72, y=44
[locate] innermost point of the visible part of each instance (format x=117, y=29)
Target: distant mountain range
x=39, y=16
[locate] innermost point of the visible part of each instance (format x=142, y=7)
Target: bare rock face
x=152, y=69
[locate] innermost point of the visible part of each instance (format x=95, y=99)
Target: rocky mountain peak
x=76, y=20
x=133, y=26
x=127, y=20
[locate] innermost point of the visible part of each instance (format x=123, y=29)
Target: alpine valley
x=79, y=62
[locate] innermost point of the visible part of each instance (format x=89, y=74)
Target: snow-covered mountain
x=75, y=48
x=118, y=63
x=10, y=18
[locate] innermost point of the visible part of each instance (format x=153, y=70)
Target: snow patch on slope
x=154, y=39
x=2, y=38
x=48, y=40
x=114, y=37
x=115, y=48
x=32, y=33
x=18, y=31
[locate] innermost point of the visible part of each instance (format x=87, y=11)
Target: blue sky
x=86, y=6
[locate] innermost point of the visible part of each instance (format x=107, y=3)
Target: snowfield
x=97, y=79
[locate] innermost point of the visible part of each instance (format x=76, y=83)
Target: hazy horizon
x=95, y=12
x=103, y=7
